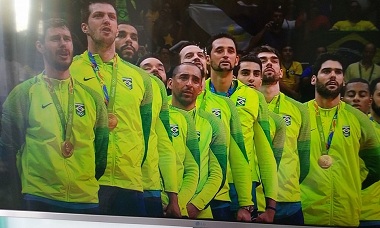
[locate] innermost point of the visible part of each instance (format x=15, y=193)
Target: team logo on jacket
x=240, y=101
x=128, y=82
x=287, y=119
x=217, y=112
x=199, y=135
x=174, y=129
x=80, y=109
x=346, y=131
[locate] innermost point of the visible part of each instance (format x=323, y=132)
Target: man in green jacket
x=57, y=129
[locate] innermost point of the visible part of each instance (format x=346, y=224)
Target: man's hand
x=192, y=211
x=172, y=210
x=266, y=217
x=270, y=210
x=243, y=215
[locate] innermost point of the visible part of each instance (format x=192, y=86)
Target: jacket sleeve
x=303, y=142
x=217, y=163
x=189, y=183
x=212, y=185
x=267, y=163
x=101, y=131
x=146, y=111
x=279, y=134
x=167, y=159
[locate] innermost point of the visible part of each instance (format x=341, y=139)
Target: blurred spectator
x=167, y=28
x=166, y=57
x=354, y=20
x=291, y=70
x=150, y=15
x=307, y=90
x=312, y=20
x=272, y=34
x=365, y=68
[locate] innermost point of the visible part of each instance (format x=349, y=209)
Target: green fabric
x=101, y=133
x=160, y=162
x=278, y=134
x=37, y=143
x=213, y=165
x=237, y=162
x=252, y=109
x=187, y=151
x=334, y=194
x=370, y=196
x=128, y=142
x=303, y=141
x=295, y=157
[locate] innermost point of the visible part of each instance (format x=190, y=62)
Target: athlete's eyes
x=245, y=72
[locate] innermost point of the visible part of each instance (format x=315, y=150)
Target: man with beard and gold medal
x=343, y=142
x=127, y=93
x=57, y=129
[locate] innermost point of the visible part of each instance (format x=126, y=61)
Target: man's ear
x=313, y=80
x=40, y=47
x=237, y=60
x=169, y=83
x=281, y=73
x=208, y=59
x=84, y=28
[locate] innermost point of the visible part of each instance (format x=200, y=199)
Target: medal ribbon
x=109, y=99
x=65, y=125
x=277, y=108
x=324, y=144
x=230, y=91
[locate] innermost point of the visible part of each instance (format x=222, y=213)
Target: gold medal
x=67, y=149
x=112, y=121
x=325, y=161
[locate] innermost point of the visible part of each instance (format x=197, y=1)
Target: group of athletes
x=96, y=134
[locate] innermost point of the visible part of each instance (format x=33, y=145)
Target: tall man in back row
x=294, y=164
x=253, y=112
x=237, y=162
x=127, y=93
x=341, y=136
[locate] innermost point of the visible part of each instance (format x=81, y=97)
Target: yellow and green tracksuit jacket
x=332, y=196
x=277, y=134
x=31, y=127
x=128, y=142
x=185, y=142
x=213, y=160
x=161, y=158
x=253, y=114
x=295, y=159
x=370, y=196
x=237, y=162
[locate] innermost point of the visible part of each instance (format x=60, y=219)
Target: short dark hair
x=51, y=23
x=176, y=69
x=85, y=8
x=325, y=57
x=247, y=58
x=218, y=36
x=267, y=48
x=373, y=84
x=149, y=55
x=354, y=80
